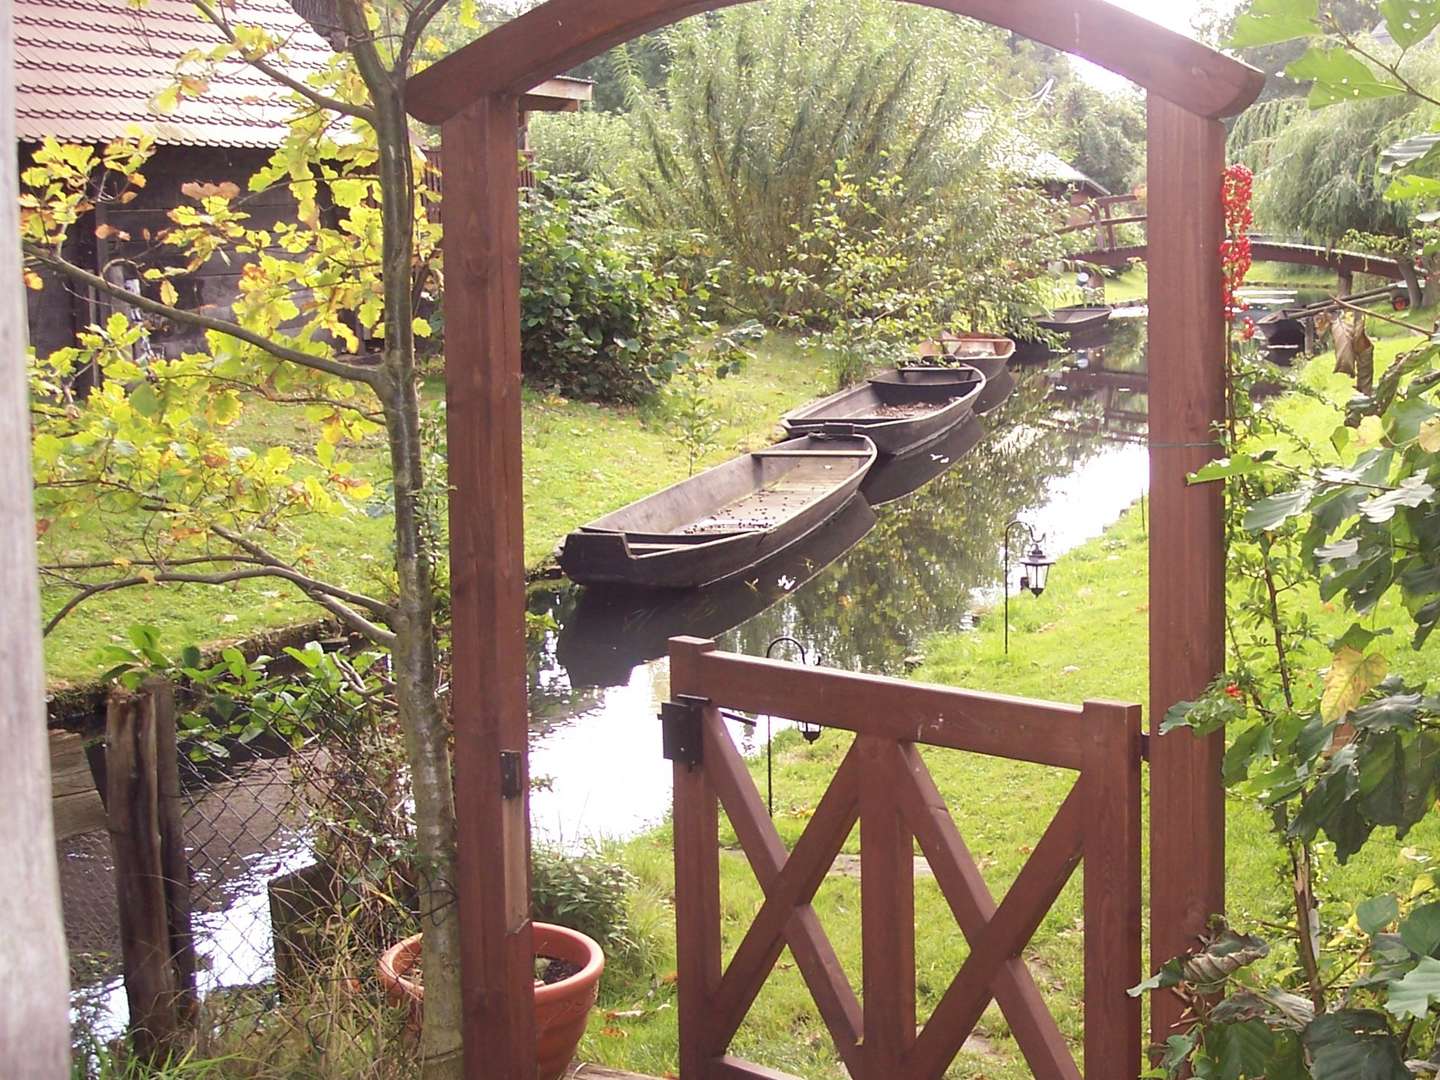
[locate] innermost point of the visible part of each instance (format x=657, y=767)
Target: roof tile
x=86, y=70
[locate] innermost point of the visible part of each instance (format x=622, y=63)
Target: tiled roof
x=85, y=71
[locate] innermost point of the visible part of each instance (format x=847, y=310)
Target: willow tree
x=761, y=101
x=1318, y=173
x=153, y=451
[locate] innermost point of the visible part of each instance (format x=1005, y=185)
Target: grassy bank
x=581, y=460
x=1085, y=637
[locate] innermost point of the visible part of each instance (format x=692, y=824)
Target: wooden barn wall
x=59, y=310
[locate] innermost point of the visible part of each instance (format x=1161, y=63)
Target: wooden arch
x=474, y=95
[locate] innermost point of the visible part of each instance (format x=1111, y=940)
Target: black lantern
x=1035, y=569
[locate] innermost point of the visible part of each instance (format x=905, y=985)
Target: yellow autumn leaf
x=1351, y=676
x=1371, y=432
x=1429, y=438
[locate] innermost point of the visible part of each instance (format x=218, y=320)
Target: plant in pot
x=586, y=891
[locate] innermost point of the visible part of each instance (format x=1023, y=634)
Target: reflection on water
x=1065, y=452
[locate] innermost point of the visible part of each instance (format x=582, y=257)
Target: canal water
x=1064, y=453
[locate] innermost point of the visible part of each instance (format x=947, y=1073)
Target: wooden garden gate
x=884, y=784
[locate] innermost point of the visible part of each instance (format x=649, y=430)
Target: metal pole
x=1005, y=586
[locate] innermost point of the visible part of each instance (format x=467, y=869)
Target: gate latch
x=680, y=728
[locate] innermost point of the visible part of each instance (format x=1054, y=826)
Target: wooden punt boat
x=897, y=414
x=987, y=353
x=724, y=520
x=1076, y=319
x=612, y=628
x=938, y=381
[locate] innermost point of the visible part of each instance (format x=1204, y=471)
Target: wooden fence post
x=1112, y=890
x=174, y=859
x=151, y=872
x=697, y=882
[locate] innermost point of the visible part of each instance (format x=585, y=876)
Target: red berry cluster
x=1235, y=191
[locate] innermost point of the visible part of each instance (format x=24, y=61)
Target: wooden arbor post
x=480, y=148
x=1186, y=157
x=474, y=94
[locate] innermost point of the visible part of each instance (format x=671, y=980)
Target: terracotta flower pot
x=561, y=1008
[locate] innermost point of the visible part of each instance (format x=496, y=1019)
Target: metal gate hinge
x=680, y=728
x=509, y=774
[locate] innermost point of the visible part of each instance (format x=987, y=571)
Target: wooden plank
x=174, y=859
x=482, y=388
x=970, y=900
x=560, y=94
x=814, y=956
x=887, y=911
x=133, y=806
x=34, y=1010
x=1006, y=727
x=793, y=887
x=733, y=1068
x=1005, y=937
x=562, y=34
x=77, y=805
x=604, y=1072
x=1110, y=789
x=697, y=914
x=1187, y=559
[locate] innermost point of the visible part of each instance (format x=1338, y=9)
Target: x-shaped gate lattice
x=884, y=784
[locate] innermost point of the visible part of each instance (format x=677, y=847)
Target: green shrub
x=600, y=320
x=584, y=891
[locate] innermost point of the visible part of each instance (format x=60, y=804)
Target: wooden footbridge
x=1105, y=217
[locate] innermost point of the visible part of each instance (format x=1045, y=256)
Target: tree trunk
x=427, y=735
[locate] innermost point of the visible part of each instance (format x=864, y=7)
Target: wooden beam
x=34, y=1011
x=964, y=888
x=1111, y=784
x=77, y=807
x=558, y=35
x=487, y=564
x=1044, y=732
x=561, y=94
x=887, y=910
x=1187, y=561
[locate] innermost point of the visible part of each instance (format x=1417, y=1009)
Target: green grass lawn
x=1085, y=637
x=1133, y=284
x=581, y=461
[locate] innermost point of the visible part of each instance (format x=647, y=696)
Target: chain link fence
x=298, y=838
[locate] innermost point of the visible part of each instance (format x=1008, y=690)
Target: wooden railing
x=884, y=784
x=1100, y=215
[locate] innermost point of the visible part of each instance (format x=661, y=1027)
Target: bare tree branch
x=324, y=101
x=318, y=591
x=329, y=596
